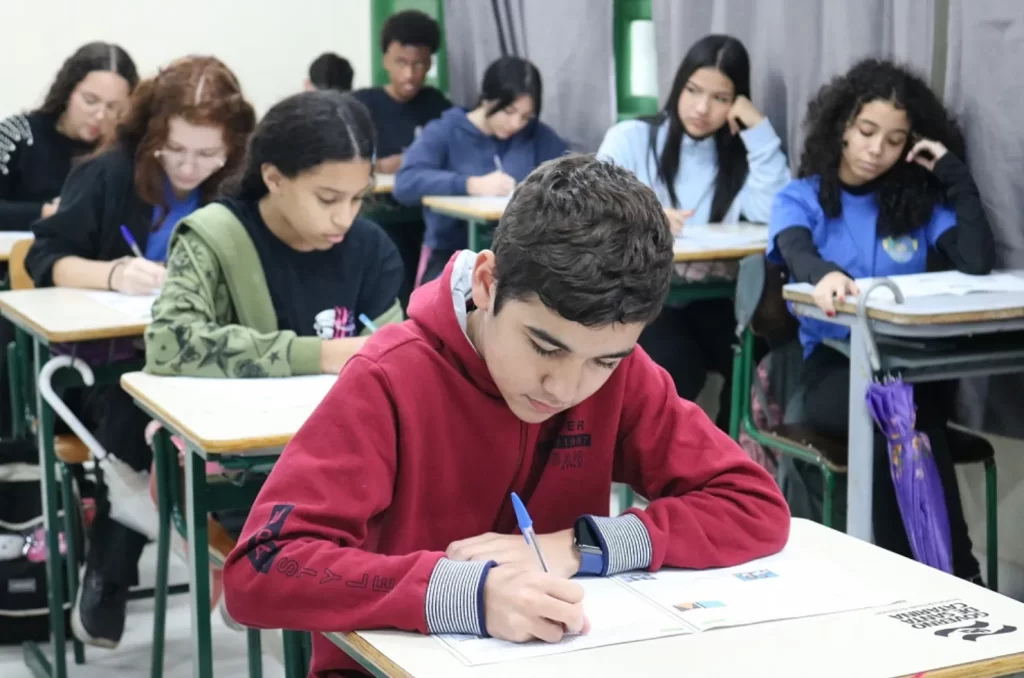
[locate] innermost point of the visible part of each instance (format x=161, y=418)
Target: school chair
x=762, y=312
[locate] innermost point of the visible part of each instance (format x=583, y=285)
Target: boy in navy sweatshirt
x=517, y=371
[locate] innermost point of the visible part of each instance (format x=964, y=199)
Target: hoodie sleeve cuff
x=455, y=597
x=458, y=186
x=760, y=137
x=624, y=541
x=304, y=355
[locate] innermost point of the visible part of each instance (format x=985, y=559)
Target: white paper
x=616, y=616
x=721, y=237
x=136, y=307
x=641, y=605
x=256, y=397
x=945, y=282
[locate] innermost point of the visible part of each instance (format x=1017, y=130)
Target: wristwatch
x=586, y=542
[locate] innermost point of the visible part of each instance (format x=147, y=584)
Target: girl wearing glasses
x=186, y=131
x=84, y=103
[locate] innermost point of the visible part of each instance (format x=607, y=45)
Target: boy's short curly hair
x=413, y=28
x=908, y=193
x=589, y=240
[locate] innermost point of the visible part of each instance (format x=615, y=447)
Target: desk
x=7, y=240
x=44, y=317
x=384, y=184
x=241, y=423
x=923, y=318
x=817, y=646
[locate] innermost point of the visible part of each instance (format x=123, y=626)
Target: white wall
x=268, y=44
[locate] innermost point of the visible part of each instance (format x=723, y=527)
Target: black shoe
x=98, y=616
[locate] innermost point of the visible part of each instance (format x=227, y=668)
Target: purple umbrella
x=914, y=473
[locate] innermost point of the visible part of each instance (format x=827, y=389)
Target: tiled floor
x=132, y=658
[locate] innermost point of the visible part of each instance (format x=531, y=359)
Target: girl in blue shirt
x=484, y=151
x=710, y=157
x=882, y=190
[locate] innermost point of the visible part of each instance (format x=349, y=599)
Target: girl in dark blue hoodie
x=484, y=151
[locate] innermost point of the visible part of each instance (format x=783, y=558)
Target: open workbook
x=643, y=605
x=946, y=282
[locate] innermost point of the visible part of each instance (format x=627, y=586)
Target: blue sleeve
x=549, y=144
x=424, y=168
x=768, y=174
x=382, y=275
x=792, y=207
x=620, y=144
x=942, y=220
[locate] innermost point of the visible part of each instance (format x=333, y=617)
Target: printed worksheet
x=945, y=282
x=642, y=605
x=135, y=307
x=702, y=237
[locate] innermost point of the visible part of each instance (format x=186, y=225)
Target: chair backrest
x=20, y=279
x=759, y=303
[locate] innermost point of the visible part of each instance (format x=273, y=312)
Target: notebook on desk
x=946, y=283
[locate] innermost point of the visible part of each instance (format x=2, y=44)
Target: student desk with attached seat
x=243, y=424
x=7, y=240
x=46, y=317
x=915, y=339
x=859, y=644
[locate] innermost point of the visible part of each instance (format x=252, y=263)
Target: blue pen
x=127, y=235
x=367, y=323
x=526, y=527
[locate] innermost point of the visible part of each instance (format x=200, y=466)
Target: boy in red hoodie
x=517, y=371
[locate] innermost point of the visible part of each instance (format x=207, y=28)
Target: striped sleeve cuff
x=624, y=541
x=455, y=597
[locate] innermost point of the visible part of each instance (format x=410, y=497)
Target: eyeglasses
x=203, y=160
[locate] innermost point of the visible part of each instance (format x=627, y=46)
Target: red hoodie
x=414, y=448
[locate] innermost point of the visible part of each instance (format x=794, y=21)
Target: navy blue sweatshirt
x=451, y=149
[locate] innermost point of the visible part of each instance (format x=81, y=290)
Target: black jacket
x=98, y=198
x=34, y=161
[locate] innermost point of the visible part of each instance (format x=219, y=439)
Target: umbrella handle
x=862, y=318
x=58, y=405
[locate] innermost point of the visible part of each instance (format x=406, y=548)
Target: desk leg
x=474, y=235
x=163, y=465
x=198, y=563
x=51, y=518
x=859, y=498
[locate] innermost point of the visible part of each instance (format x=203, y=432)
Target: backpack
x=24, y=606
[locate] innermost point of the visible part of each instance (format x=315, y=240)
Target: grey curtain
x=795, y=46
x=984, y=89
x=570, y=41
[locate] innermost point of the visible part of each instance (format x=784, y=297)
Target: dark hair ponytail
x=94, y=56
x=301, y=132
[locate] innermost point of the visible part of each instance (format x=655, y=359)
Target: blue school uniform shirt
x=163, y=226
x=851, y=242
x=627, y=144
x=451, y=149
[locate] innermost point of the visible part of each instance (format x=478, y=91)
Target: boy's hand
x=522, y=604
x=559, y=551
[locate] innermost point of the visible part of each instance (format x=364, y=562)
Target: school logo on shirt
x=901, y=249
x=335, y=323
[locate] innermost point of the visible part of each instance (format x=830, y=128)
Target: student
x=710, y=157
x=400, y=110
x=89, y=94
x=483, y=151
x=883, y=189
x=185, y=133
x=277, y=276
x=517, y=371
x=329, y=71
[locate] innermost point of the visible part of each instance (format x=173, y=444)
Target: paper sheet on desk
x=135, y=307
x=642, y=605
x=945, y=282
x=721, y=236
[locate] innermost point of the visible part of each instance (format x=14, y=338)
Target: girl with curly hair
x=710, y=156
x=882, y=190
x=185, y=133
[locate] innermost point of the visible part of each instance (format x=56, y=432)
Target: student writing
x=272, y=279
x=710, y=156
x=518, y=370
x=456, y=154
x=882, y=190
x=87, y=97
x=184, y=134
